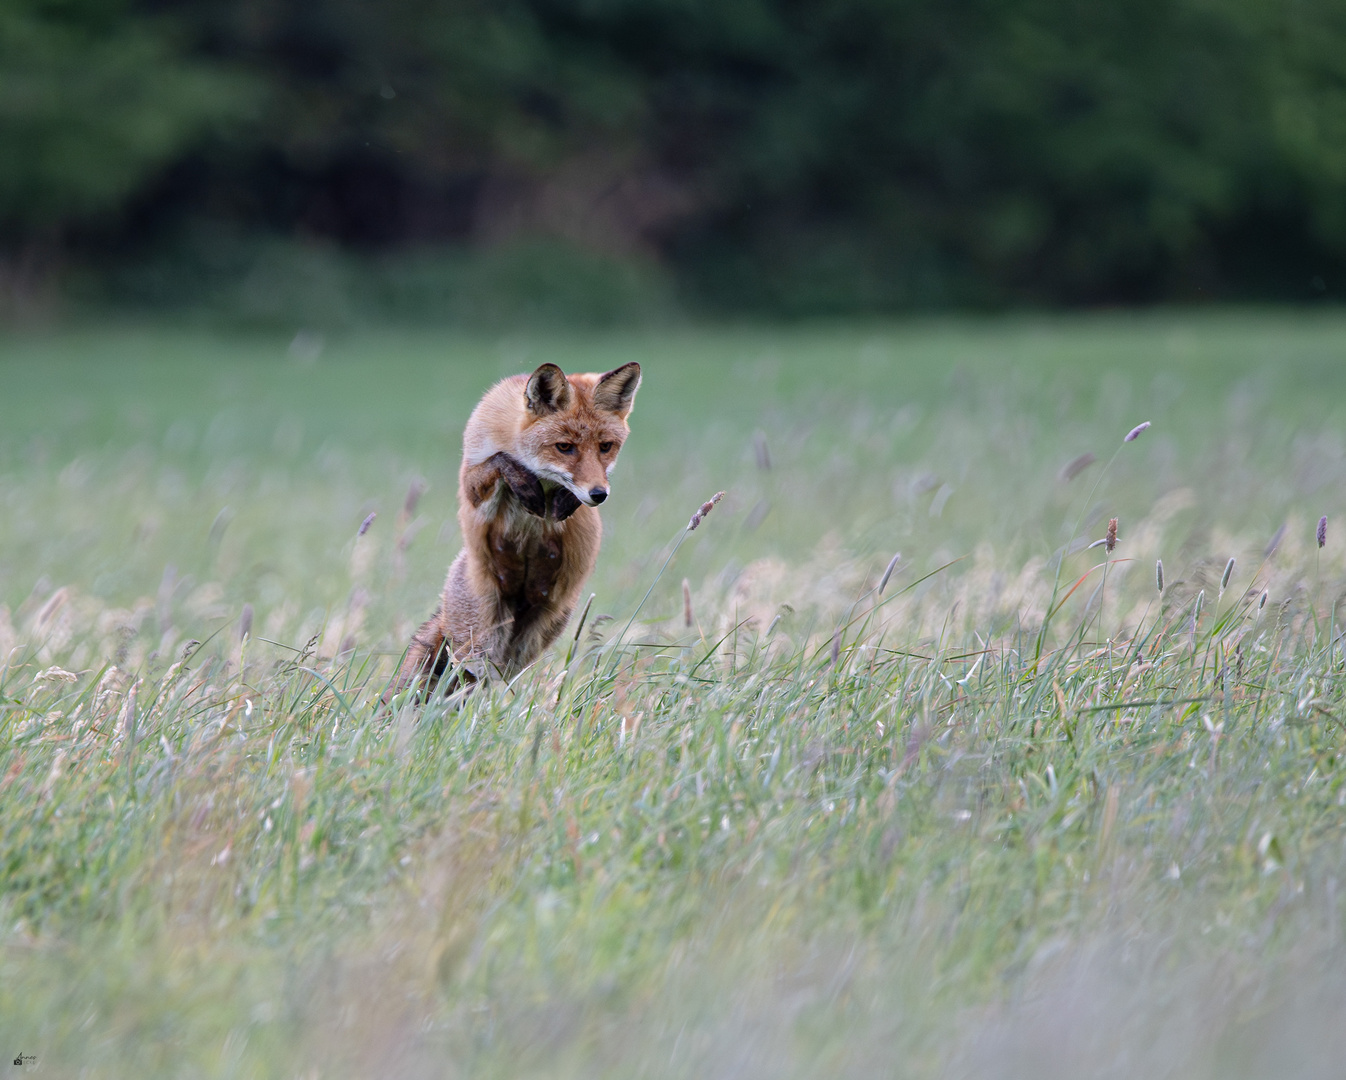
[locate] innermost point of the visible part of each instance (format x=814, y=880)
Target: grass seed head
x=364, y=525
x=1228, y=573
x=762, y=451
x=1159, y=574
x=1134, y=433
x=1262, y=600
x=687, y=616
x=1322, y=530
x=1073, y=468
x=1112, y=535
x=414, y=494
x=706, y=508
x=892, y=565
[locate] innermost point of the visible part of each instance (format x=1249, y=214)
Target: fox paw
x=561, y=504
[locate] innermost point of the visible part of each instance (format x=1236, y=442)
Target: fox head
x=575, y=426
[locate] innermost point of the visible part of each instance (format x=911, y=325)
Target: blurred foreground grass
x=818, y=832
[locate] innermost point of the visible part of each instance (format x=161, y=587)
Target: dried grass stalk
x=1073, y=468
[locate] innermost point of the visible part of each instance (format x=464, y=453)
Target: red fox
x=537, y=451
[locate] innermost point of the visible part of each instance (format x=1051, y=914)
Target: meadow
x=886, y=769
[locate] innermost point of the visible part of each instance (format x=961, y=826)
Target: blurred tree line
x=777, y=156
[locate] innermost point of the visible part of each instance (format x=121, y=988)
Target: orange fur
x=536, y=455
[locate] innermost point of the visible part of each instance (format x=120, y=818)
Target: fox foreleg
x=479, y=481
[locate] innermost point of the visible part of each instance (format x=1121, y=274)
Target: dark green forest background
x=330, y=160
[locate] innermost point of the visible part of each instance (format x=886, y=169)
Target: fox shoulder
x=496, y=422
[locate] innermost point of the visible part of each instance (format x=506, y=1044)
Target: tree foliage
x=93, y=101
x=780, y=154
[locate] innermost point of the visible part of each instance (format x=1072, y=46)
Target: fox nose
x=598, y=494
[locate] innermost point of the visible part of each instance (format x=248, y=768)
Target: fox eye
x=566, y=447
x=605, y=447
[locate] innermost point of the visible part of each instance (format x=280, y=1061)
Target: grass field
x=1019, y=814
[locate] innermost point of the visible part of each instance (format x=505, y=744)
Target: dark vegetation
x=334, y=160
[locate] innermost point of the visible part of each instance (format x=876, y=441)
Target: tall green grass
x=1017, y=813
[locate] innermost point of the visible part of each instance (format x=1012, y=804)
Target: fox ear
x=548, y=390
x=615, y=391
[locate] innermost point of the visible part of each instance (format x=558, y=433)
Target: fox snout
x=591, y=497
